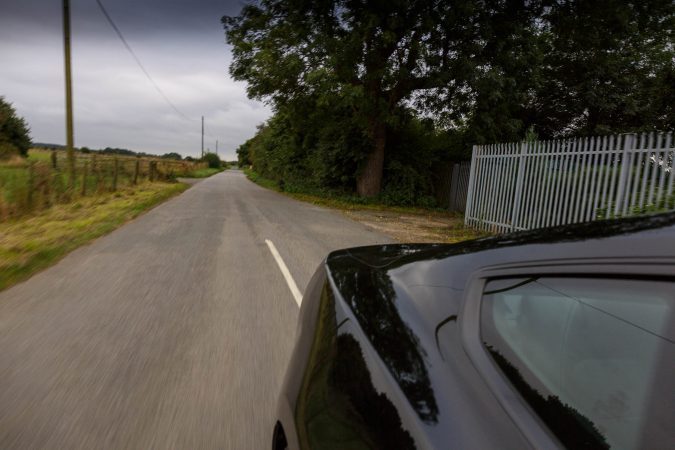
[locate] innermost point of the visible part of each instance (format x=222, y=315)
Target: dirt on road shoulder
x=434, y=226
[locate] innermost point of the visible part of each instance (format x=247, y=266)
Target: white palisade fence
x=526, y=185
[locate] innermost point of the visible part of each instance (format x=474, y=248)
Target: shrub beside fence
x=521, y=186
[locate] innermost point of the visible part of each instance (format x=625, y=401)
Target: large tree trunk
x=369, y=181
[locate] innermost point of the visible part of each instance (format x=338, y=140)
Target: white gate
x=521, y=186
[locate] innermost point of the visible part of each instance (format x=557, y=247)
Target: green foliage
x=201, y=173
x=243, y=159
x=379, y=94
x=14, y=132
x=365, y=57
x=212, y=160
x=609, y=67
x=322, y=160
x=172, y=155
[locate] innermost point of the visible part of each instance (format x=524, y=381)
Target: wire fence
x=35, y=185
x=521, y=186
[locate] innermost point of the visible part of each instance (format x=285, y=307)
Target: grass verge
x=201, y=173
x=30, y=244
x=346, y=203
x=405, y=224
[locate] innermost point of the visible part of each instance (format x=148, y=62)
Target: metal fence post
x=515, y=213
x=628, y=145
x=472, y=186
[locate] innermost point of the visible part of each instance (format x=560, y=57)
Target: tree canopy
x=172, y=155
x=14, y=132
x=348, y=79
x=212, y=160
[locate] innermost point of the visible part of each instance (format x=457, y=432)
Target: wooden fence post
x=84, y=179
x=30, y=186
x=96, y=170
x=137, y=169
x=47, y=186
x=115, y=170
x=53, y=157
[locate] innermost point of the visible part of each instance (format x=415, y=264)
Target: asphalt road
x=172, y=332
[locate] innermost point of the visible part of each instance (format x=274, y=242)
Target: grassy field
x=31, y=243
x=44, y=214
x=28, y=186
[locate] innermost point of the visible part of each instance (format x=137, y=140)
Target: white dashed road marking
x=285, y=272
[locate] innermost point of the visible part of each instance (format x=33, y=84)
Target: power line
x=138, y=61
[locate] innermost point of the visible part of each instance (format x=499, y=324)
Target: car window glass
x=594, y=358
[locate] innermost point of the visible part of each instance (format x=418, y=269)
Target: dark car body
x=552, y=338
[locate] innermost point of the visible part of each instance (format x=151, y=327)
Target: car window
x=594, y=358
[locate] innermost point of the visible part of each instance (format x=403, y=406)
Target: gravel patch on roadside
x=422, y=228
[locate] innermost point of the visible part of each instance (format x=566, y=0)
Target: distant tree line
x=15, y=140
x=372, y=96
x=116, y=151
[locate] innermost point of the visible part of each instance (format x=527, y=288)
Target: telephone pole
x=216, y=146
x=202, y=136
x=69, y=93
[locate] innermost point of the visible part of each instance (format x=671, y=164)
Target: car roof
x=423, y=288
x=646, y=236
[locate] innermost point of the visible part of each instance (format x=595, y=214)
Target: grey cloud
x=181, y=44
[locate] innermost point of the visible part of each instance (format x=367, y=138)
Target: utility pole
x=202, y=136
x=69, y=93
x=216, y=146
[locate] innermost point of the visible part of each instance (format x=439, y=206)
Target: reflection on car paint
x=338, y=405
x=342, y=392
x=371, y=296
x=570, y=426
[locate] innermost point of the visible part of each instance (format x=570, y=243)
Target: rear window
x=594, y=358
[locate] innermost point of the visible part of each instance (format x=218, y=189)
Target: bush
x=172, y=155
x=213, y=160
x=14, y=132
x=8, y=150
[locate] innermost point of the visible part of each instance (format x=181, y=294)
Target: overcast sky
x=180, y=43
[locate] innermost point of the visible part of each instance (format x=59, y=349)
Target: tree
x=369, y=55
x=172, y=155
x=242, y=154
x=608, y=68
x=352, y=82
x=509, y=54
x=14, y=132
x=213, y=160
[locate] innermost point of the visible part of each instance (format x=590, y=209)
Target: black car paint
x=392, y=363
